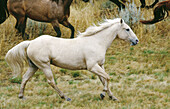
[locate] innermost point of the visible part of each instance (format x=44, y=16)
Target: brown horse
x=160, y=12
x=50, y=11
x=121, y=5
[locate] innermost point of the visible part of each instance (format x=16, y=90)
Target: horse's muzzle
x=134, y=42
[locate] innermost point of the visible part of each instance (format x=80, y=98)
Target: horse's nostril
x=137, y=40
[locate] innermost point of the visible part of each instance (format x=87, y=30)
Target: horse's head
x=85, y=0
x=126, y=33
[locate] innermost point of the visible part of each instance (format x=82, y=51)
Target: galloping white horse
x=86, y=52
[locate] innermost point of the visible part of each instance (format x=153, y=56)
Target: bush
x=131, y=14
x=33, y=27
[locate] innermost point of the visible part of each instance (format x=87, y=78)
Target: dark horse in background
x=121, y=5
x=160, y=12
x=50, y=11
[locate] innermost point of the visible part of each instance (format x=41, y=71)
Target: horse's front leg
x=104, y=82
x=104, y=77
x=102, y=95
x=56, y=27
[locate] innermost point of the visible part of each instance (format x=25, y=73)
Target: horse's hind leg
x=21, y=25
x=68, y=25
x=56, y=27
x=29, y=73
x=49, y=75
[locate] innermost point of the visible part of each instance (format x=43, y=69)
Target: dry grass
x=139, y=74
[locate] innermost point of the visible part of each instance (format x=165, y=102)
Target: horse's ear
x=121, y=21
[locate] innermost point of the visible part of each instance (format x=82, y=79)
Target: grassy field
x=139, y=74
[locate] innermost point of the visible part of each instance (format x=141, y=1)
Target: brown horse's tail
x=4, y=13
x=160, y=13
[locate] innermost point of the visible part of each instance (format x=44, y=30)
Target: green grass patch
x=112, y=58
x=112, y=73
x=17, y=80
x=75, y=74
x=148, y=51
x=93, y=77
x=63, y=71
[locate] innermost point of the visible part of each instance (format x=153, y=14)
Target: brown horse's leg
x=143, y=3
x=151, y=6
x=30, y=72
x=16, y=25
x=119, y=4
x=68, y=25
x=21, y=25
x=56, y=27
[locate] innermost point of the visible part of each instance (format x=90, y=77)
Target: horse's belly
x=72, y=64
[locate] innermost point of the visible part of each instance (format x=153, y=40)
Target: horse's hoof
x=102, y=96
x=68, y=99
x=113, y=98
x=21, y=97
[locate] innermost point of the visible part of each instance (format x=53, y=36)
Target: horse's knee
x=107, y=77
x=49, y=82
x=105, y=89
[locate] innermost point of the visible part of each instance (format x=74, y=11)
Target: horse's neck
x=106, y=36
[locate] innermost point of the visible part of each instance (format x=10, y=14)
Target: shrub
x=33, y=27
x=131, y=14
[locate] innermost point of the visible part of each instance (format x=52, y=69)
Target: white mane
x=95, y=29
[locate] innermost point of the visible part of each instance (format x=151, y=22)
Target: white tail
x=16, y=57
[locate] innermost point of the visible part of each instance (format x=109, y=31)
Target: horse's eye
x=127, y=29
